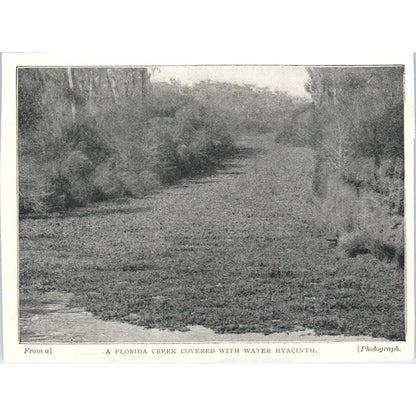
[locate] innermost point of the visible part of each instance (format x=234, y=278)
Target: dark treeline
x=356, y=126
x=249, y=109
x=90, y=134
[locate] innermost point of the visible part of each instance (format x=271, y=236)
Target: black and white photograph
x=213, y=205
x=207, y=208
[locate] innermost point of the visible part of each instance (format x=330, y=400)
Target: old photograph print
x=210, y=204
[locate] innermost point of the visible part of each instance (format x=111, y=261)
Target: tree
x=71, y=88
x=361, y=109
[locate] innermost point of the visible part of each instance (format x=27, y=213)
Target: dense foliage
x=93, y=134
x=239, y=252
x=90, y=134
x=247, y=108
x=358, y=135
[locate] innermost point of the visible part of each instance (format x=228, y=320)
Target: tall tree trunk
x=145, y=82
x=91, y=86
x=132, y=90
x=71, y=87
x=112, y=86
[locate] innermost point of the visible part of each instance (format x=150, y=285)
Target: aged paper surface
x=257, y=256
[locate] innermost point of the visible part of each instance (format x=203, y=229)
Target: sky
x=290, y=79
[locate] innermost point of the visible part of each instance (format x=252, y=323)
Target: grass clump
x=355, y=243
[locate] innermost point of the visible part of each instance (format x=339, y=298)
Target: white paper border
x=324, y=352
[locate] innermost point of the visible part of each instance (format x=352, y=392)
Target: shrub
x=356, y=126
x=34, y=186
x=386, y=180
x=111, y=145
x=105, y=182
x=83, y=136
x=355, y=243
x=362, y=222
x=295, y=125
x=383, y=250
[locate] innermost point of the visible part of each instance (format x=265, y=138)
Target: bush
x=34, y=186
x=356, y=127
x=386, y=180
x=83, y=136
x=111, y=145
x=355, y=243
x=361, y=222
x=105, y=182
x=295, y=126
x=383, y=250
